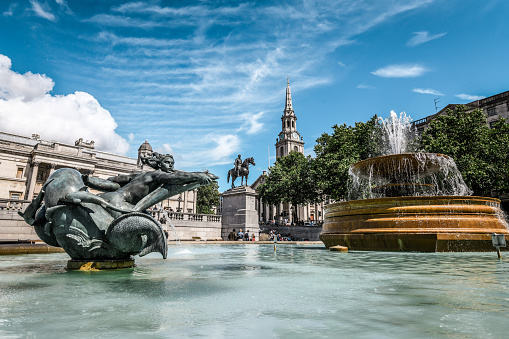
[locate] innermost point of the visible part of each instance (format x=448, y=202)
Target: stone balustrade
x=183, y=226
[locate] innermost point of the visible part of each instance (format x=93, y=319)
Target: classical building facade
x=494, y=107
x=27, y=162
x=288, y=140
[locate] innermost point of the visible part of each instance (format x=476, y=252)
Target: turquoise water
x=232, y=291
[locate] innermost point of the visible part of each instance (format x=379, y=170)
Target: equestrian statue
x=113, y=224
x=240, y=169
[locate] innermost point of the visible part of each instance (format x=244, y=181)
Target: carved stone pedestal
x=83, y=265
x=239, y=211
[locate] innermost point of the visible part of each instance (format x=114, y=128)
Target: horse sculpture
x=243, y=172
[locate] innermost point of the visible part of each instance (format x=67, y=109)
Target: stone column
x=186, y=198
x=33, y=178
x=52, y=169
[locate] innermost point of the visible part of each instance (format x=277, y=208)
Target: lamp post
x=179, y=199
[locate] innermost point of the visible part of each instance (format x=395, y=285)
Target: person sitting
x=232, y=236
x=240, y=235
x=246, y=235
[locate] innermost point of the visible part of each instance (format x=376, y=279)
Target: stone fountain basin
x=397, y=167
x=425, y=223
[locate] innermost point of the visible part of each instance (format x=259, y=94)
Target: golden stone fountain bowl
x=421, y=223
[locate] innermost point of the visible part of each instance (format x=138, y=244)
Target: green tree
x=290, y=180
x=481, y=154
x=207, y=197
x=335, y=153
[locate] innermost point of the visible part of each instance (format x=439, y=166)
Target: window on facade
x=295, y=148
x=293, y=124
x=287, y=123
x=281, y=151
x=19, y=173
x=15, y=195
x=492, y=111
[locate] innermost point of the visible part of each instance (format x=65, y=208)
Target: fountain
x=104, y=231
x=410, y=202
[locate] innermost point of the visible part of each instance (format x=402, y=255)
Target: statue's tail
x=137, y=233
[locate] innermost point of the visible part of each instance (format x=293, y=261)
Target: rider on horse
x=237, y=165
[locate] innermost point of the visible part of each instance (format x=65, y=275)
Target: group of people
x=241, y=236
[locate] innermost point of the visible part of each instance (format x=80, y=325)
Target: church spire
x=288, y=103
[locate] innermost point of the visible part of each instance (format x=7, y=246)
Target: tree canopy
x=207, y=197
x=290, y=180
x=335, y=153
x=481, y=154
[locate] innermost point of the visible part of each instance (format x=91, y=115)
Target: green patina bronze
x=114, y=224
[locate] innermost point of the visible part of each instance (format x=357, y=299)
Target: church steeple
x=288, y=102
x=289, y=139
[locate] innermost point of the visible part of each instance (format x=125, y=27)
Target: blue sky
x=205, y=80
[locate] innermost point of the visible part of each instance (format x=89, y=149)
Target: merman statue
x=114, y=224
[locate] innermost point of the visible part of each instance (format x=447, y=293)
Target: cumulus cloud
x=400, y=71
x=427, y=91
x=26, y=107
x=42, y=10
x=24, y=87
x=469, y=97
x=422, y=37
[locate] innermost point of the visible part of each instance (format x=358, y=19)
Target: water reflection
x=254, y=291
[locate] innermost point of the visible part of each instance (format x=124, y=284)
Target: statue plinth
x=239, y=211
x=98, y=265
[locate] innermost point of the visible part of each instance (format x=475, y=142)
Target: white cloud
x=400, y=71
x=226, y=145
x=251, y=124
x=167, y=149
x=361, y=86
x=10, y=10
x=427, y=91
x=469, y=97
x=25, y=108
x=341, y=64
x=42, y=10
x=131, y=137
x=24, y=87
x=63, y=6
x=422, y=37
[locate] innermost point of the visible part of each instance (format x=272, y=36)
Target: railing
x=20, y=205
x=420, y=121
x=159, y=215
x=13, y=204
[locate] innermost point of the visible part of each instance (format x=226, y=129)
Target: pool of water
x=232, y=291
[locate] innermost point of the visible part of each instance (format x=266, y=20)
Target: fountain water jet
x=410, y=202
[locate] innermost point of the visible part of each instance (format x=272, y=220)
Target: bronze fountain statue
x=114, y=224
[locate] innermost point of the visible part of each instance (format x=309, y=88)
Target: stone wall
x=301, y=233
x=188, y=226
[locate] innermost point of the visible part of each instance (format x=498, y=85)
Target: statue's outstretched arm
x=182, y=178
x=100, y=184
x=173, y=183
x=123, y=179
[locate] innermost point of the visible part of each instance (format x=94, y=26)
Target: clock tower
x=289, y=139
